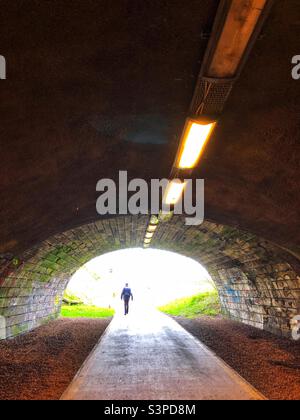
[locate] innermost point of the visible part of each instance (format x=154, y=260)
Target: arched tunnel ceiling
x=94, y=87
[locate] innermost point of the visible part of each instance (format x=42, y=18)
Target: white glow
x=173, y=192
x=149, y=235
x=156, y=277
x=151, y=228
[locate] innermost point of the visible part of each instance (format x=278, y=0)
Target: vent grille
x=210, y=97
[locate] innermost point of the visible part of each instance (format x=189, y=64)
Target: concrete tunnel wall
x=258, y=282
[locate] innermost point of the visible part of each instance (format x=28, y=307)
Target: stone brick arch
x=258, y=282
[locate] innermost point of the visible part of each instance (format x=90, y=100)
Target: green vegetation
x=85, y=311
x=71, y=299
x=19, y=329
x=192, y=307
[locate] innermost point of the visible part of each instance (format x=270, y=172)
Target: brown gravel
x=41, y=364
x=269, y=363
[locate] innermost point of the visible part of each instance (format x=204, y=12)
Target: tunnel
x=95, y=88
x=257, y=281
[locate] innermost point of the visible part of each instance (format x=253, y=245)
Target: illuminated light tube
x=149, y=235
x=154, y=220
x=147, y=241
x=173, y=192
x=195, y=136
x=151, y=228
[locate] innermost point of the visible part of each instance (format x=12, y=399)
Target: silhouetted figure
x=126, y=295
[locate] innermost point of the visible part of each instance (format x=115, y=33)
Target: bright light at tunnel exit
x=156, y=278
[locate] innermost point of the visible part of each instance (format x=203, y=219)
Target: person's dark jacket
x=126, y=293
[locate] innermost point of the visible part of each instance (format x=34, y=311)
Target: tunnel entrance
x=257, y=281
x=156, y=277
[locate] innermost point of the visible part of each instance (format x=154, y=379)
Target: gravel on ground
x=41, y=364
x=271, y=364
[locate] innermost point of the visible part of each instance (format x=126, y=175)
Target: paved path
x=150, y=356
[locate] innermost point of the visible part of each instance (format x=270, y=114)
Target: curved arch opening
x=156, y=278
x=258, y=282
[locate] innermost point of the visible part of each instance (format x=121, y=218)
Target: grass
x=192, y=307
x=69, y=298
x=85, y=311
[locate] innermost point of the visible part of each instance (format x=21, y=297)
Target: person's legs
x=126, y=304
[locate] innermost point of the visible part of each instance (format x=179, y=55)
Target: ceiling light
x=194, y=139
x=154, y=220
x=237, y=26
x=173, y=192
x=151, y=228
x=149, y=235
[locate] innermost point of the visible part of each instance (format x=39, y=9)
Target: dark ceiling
x=94, y=87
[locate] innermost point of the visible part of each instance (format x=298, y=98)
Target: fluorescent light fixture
x=149, y=235
x=173, y=192
x=195, y=136
x=154, y=220
x=236, y=27
x=151, y=228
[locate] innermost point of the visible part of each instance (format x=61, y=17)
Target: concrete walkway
x=150, y=356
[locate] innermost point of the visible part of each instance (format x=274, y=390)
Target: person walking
x=126, y=295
